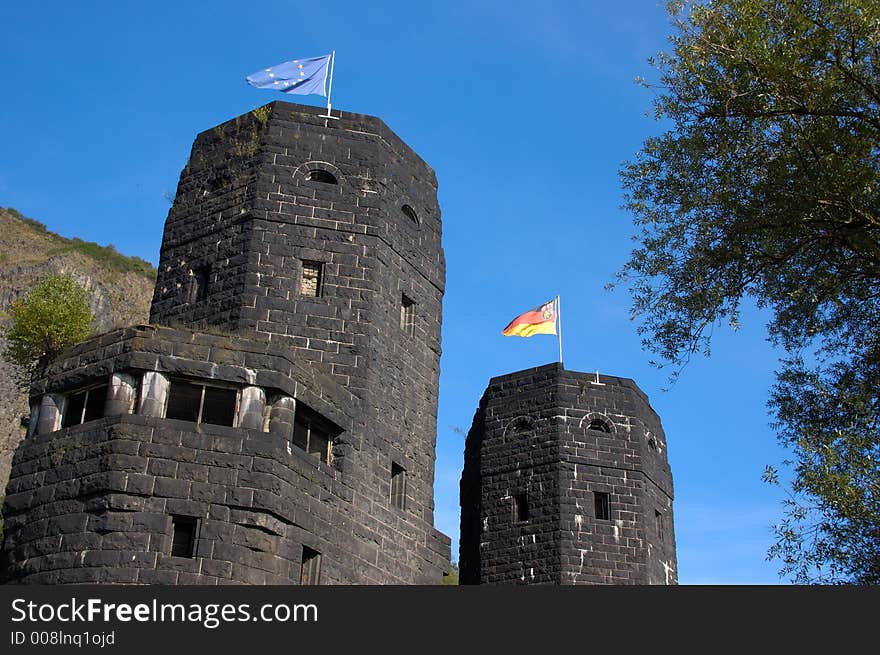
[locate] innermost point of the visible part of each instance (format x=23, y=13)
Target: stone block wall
x=263, y=198
x=254, y=204
x=556, y=439
x=95, y=502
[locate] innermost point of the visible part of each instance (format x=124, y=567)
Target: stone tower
x=566, y=481
x=277, y=422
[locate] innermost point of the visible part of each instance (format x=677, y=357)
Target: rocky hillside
x=120, y=289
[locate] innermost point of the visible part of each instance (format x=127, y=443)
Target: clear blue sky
x=524, y=110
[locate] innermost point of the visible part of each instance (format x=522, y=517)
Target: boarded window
x=310, y=284
x=313, y=434
x=201, y=404
x=84, y=406
x=398, y=486
x=407, y=315
x=603, y=505
x=310, y=572
x=520, y=508
x=183, y=537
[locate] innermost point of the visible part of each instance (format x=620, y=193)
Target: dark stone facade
x=268, y=367
x=566, y=481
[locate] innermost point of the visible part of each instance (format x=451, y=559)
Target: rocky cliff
x=120, y=289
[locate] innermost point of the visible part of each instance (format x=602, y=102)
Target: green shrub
x=52, y=317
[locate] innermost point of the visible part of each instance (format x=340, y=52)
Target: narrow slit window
x=310, y=572
x=310, y=283
x=398, y=486
x=520, y=508
x=407, y=315
x=198, y=284
x=658, y=518
x=183, y=537
x=603, y=505
x=84, y=406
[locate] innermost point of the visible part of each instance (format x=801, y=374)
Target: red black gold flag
x=540, y=320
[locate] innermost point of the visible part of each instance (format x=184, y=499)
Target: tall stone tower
x=280, y=425
x=566, y=481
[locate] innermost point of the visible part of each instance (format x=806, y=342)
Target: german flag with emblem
x=540, y=320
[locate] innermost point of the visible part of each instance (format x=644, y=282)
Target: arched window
x=600, y=425
x=521, y=425
x=410, y=213
x=318, y=175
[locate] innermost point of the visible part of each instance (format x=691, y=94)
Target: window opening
x=312, y=434
x=520, y=508
x=310, y=573
x=198, y=284
x=603, y=506
x=600, y=425
x=318, y=175
x=183, y=537
x=310, y=284
x=410, y=213
x=407, y=315
x=200, y=403
x=398, y=486
x=84, y=406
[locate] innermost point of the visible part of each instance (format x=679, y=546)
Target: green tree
x=766, y=184
x=451, y=578
x=53, y=316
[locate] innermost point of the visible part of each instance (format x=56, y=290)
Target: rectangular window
x=407, y=315
x=84, y=406
x=218, y=406
x=603, y=506
x=199, y=281
x=310, y=284
x=658, y=518
x=313, y=434
x=520, y=508
x=200, y=403
x=310, y=573
x=398, y=486
x=183, y=537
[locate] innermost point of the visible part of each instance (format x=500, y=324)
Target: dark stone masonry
x=281, y=429
x=566, y=481
x=276, y=424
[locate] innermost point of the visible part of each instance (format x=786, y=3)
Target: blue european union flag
x=302, y=76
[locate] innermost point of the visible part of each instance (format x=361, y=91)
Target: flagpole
x=559, y=330
x=330, y=87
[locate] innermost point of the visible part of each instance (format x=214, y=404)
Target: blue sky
x=525, y=111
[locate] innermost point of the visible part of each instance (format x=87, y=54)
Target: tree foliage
x=767, y=185
x=451, y=578
x=53, y=316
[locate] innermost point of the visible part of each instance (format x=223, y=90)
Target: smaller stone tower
x=566, y=481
